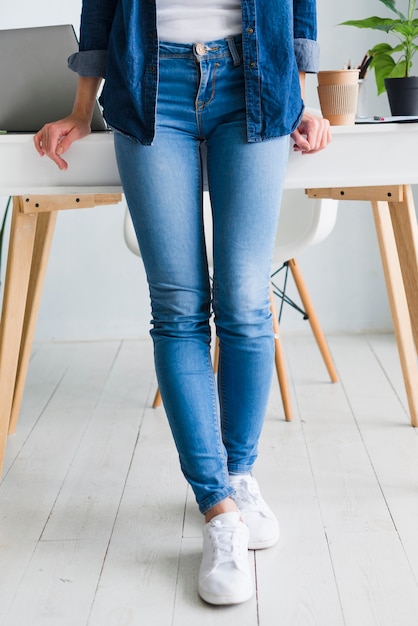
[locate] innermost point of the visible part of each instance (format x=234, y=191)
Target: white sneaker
x=260, y=519
x=224, y=576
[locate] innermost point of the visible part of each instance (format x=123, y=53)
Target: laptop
x=36, y=85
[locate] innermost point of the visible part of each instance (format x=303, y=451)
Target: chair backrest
x=303, y=222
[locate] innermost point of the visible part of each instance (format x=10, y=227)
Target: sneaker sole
x=227, y=599
x=262, y=545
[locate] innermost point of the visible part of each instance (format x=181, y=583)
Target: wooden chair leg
x=313, y=319
x=280, y=362
x=157, y=400
x=216, y=356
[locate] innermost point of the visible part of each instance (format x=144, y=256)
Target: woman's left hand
x=312, y=134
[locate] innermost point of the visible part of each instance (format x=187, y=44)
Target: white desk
x=365, y=155
x=374, y=162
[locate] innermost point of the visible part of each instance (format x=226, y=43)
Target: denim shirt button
x=250, y=30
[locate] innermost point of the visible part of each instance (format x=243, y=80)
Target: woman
x=228, y=75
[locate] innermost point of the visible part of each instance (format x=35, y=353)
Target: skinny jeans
x=216, y=421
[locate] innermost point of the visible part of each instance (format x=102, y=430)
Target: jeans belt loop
x=233, y=50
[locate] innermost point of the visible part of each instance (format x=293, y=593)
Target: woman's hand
x=56, y=137
x=313, y=134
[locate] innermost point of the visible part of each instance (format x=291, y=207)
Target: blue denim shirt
x=119, y=41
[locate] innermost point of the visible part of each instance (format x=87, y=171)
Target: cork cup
x=338, y=93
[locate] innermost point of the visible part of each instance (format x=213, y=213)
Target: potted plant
x=392, y=64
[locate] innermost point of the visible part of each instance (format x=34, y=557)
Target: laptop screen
x=37, y=86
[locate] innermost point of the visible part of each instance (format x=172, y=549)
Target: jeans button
x=200, y=49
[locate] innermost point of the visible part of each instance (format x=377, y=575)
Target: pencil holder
x=338, y=95
x=362, y=98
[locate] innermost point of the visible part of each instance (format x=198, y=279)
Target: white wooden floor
x=97, y=527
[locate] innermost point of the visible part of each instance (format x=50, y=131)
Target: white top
x=191, y=21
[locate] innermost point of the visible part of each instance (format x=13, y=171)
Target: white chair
x=303, y=222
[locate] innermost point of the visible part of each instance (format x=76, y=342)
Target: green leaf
x=376, y=23
x=406, y=30
x=380, y=48
x=399, y=70
x=384, y=49
x=391, y=4
x=383, y=66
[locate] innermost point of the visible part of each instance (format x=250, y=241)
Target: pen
x=360, y=67
x=365, y=66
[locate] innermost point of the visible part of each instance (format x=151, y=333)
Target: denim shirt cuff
x=88, y=62
x=307, y=55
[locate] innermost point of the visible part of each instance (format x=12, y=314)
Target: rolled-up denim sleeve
x=307, y=55
x=96, y=23
x=305, y=35
x=88, y=62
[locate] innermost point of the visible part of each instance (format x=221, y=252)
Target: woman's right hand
x=55, y=138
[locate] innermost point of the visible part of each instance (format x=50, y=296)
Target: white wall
x=95, y=288
x=22, y=13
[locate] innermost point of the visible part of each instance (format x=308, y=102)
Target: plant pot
x=403, y=95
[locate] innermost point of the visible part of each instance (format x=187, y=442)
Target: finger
x=324, y=137
x=301, y=142
x=50, y=140
x=62, y=164
x=37, y=140
x=66, y=140
x=315, y=134
x=58, y=160
x=50, y=148
x=318, y=134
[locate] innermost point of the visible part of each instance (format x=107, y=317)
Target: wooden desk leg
x=404, y=223
x=22, y=238
x=398, y=304
x=42, y=246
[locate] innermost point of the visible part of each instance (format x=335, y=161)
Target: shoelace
x=245, y=498
x=227, y=548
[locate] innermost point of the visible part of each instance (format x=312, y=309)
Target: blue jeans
x=216, y=424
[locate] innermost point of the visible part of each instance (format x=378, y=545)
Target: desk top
x=362, y=155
